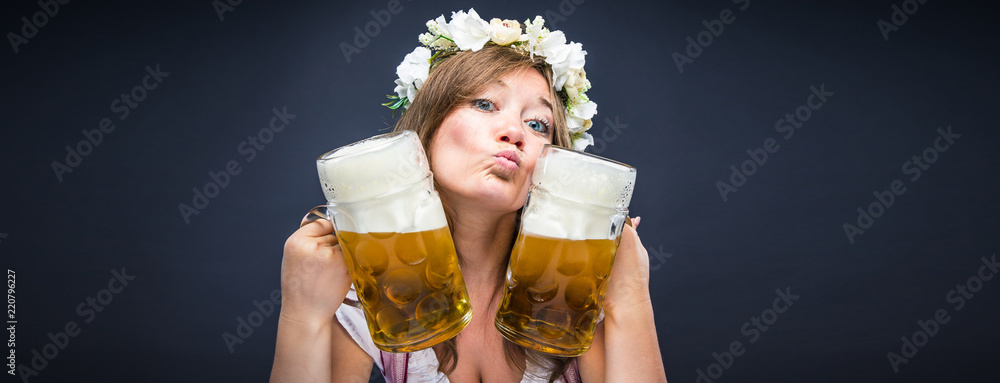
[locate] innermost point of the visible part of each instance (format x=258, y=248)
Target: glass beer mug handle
x=317, y=213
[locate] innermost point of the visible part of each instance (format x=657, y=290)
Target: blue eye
x=484, y=105
x=540, y=126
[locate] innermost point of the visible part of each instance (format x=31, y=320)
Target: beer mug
x=570, y=230
x=392, y=229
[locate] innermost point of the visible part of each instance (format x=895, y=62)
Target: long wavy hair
x=454, y=81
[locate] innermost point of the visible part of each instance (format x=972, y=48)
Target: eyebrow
x=545, y=102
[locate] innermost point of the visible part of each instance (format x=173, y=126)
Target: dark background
x=716, y=262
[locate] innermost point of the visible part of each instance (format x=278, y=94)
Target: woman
x=483, y=113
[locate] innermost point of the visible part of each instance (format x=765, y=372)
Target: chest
x=481, y=356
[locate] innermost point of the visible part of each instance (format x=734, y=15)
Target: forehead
x=525, y=80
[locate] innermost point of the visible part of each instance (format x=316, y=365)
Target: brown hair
x=454, y=81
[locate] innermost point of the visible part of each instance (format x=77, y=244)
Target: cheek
x=442, y=155
x=534, y=149
x=448, y=152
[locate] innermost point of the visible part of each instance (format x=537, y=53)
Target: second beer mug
x=559, y=267
x=392, y=229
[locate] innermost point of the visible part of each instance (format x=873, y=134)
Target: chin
x=503, y=196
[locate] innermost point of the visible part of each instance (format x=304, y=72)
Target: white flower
x=426, y=38
x=577, y=78
x=535, y=30
x=435, y=27
x=585, y=111
x=504, y=32
x=438, y=37
x=468, y=30
x=576, y=84
x=573, y=123
x=578, y=118
x=553, y=46
x=563, y=58
x=413, y=72
x=582, y=141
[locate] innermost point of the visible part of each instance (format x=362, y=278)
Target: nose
x=511, y=133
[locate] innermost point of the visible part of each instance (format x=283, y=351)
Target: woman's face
x=485, y=150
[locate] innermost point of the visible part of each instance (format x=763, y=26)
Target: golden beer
x=410, y=284
x=571, y=225
x=391, y=225
x=555, y=289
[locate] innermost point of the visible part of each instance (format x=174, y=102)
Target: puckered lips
x=507, y=160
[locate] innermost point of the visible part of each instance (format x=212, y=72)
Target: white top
x=423, y=364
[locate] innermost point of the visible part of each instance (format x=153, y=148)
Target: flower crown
x=468, y=32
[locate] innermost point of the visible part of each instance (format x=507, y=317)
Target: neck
x=482, y=239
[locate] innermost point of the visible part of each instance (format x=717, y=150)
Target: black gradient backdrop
x=716, y=262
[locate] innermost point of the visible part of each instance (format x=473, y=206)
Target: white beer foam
x=382, y=184
x=585, y=178
x=549, y=216
x=413, y=211
x=575, y=196
x=372, y=167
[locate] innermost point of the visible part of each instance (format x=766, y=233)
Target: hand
x=314, y=276
x=628, y=285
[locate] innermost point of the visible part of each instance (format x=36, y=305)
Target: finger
x=630, y=238
x=316, y=213
x=309, y=218
x=329, y=240
x=317, y=228
x=635, y=222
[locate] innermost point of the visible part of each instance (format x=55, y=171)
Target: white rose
x=563, y=58
x=504, y=32
x=468, y=30
x=407, y=90
x=579, y=117
x=412, y=72
x=582, y=141
x=552, y=46
x=585, y=111
x=574, y=124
